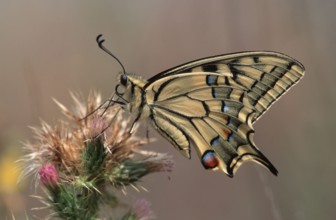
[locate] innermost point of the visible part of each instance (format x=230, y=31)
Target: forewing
x=265, y=76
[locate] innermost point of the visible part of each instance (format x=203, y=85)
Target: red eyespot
x=209, y=159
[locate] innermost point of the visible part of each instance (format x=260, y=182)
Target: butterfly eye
x=123, y=79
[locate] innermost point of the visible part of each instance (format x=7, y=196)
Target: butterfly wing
x=264, y=75
x=213, y=103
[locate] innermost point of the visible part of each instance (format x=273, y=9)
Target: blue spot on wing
x=230, y=138
x=225, y=108
x=215, y=141
x=211, y=80
x=214, y=92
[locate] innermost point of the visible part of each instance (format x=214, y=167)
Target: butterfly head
x=123, y=79
x=123, y=88
x=129, y=84
x=130, y=90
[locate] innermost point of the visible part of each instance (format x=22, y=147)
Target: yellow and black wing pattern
x=213, y=103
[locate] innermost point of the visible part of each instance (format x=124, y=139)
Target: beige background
x=48, y=48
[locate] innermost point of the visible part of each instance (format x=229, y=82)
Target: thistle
x=84, y=161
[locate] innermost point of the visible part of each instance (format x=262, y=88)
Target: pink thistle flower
x=49, y=175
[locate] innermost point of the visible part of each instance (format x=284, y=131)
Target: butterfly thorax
x=134, y=94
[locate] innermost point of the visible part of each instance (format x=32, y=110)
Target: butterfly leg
x=110, y=103
x=107, y=106
x=133, y=126
x=109, y=124
x=95, y=110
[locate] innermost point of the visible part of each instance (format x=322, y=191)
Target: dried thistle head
x=85, y=154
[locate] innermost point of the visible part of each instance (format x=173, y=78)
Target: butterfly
x=211, y=103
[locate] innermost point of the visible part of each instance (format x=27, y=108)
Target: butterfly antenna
x=100, y=42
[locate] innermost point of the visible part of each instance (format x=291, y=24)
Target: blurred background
x=48, y=48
